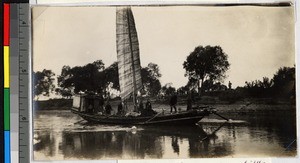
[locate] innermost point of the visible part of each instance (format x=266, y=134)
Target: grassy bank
x=245, y=106
x=53, y=104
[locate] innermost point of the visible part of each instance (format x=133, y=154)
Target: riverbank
x=246, y=106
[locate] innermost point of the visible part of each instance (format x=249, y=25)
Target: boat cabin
x=88, y=103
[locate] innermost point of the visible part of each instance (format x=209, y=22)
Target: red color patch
x=6, y=24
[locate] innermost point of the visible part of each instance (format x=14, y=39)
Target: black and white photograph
x=163, y=82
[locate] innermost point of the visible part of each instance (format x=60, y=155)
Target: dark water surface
x=60, y=135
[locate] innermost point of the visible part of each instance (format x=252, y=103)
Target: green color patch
x=6, y=109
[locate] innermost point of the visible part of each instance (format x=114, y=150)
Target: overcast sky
x=258, y=40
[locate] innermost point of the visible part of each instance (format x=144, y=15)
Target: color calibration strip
x=6, y=43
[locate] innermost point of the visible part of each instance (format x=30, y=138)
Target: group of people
x=140, y=107
x=102, y=107
x=145, y=109
x=105, y=108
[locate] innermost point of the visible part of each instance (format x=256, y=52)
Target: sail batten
x=128, y=54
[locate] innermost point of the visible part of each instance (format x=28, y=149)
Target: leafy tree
x=219, y=87
x=154, y=70
x=168, y=89
x=207, y=85
x=43, y=82
x=96, y=78
x=266, y=83
x=110, y=79
x=66, y=93
x=83, y=78
x=284, y=81
x=183, y=90
x=93, y=75
x=205, y=63
x=282, y=84
x=192, y=83
x=150, y=79
x=112, y=76
x=64, y=80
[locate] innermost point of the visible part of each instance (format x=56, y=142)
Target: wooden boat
x=81, y=103
x=182, y=118
x=129, y=70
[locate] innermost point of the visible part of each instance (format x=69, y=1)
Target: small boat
x=129, y=70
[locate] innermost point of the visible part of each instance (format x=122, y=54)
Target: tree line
x=92, y=78
x=205, y=68
x=283, y=84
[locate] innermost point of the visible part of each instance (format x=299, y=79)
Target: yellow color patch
x=6, y=67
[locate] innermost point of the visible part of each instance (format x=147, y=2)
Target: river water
x=61, y=135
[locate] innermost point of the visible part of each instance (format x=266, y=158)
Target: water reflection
x=151, y=142
x=258, y=138
x=278, y=127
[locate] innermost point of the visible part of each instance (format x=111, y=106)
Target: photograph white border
x=179, y=2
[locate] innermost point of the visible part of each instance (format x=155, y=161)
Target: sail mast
x=132, y=60
x=128, y=56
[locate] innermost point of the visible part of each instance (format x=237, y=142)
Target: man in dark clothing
x=108, y=108
x=120, y=108
x=148, y=105
x=148, y=111
x=173, y=102
x=141, y=106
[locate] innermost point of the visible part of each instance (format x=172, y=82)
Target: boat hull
x=184, y=118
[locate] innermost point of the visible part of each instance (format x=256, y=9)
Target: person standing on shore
x=173, y=102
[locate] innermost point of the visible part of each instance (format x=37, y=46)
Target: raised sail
x=128, y=53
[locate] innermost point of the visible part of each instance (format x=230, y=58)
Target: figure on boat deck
x=101, y=103
x=90, y=108
x=108, y=108
x=148, y=105
x=148, y=111
x=125, y=107
x=173, y=102
x=141, y=105
x=120, y=108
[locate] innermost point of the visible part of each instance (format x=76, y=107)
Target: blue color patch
x=6, y=146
